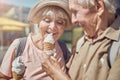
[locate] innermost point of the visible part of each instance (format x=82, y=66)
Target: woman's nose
x=53, y=25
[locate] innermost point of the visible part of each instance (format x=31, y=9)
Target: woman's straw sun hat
x=43, y=3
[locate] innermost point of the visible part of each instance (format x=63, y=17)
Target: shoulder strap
x=66, y=52
x=21, y=46
x=113, y=52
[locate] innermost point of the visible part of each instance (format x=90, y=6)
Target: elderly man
x=101, y=27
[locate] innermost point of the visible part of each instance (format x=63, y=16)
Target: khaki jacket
x=90, y=62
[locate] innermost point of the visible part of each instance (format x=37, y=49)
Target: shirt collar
x=113, y=32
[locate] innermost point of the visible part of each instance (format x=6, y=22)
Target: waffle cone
x=17, y=76
x=48, y=46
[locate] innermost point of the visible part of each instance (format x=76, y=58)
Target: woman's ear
x=100, y=7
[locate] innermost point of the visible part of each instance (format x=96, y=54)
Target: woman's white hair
x=110, y=4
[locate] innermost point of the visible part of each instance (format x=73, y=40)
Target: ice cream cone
x=18, y=69
x=17, y=76
x=48, y=46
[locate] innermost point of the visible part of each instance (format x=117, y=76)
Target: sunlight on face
x=56, y=13
x=53, y=20
x=85, y=17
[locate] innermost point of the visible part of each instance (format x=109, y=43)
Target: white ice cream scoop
x=18, y=66
x=49, y=38
x=49, y=44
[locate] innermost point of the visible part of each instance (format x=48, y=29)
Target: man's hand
x=49, y=63
x=52, y=67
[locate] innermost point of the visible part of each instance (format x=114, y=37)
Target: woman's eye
x=61, y=22
x=47, y=20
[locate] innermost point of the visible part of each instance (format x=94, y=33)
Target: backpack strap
x=113, y=51
x=21, y=46
x=66, y=52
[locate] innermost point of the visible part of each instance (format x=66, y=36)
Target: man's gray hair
x=110, y=4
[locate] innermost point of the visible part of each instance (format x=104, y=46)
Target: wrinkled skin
x=93, y=20
x=52, y=67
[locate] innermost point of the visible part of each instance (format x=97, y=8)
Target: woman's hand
x=3, y=77
x=52, y=67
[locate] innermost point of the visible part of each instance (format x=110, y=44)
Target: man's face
x=85, y=17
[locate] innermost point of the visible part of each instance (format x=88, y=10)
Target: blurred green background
x=70, y=36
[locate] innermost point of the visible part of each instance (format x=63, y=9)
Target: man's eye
x=74, y=12
x=47, y=20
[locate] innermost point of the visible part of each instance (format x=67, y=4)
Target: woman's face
x=51, y=23
x=84, y=17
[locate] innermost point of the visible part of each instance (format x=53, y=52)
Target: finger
x=55, y=54
x=59, y=59
x=44, y=58
x=53, y=58
x=63, y=68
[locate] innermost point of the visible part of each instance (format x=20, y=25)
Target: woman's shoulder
x=14, y=43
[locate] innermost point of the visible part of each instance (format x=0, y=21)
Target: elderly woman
x=53, y=17
x=101, y=28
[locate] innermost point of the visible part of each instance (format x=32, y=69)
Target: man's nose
x=74, y=19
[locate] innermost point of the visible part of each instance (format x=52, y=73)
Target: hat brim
x=44, y=3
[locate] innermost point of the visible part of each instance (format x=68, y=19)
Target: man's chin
x=91, y=36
